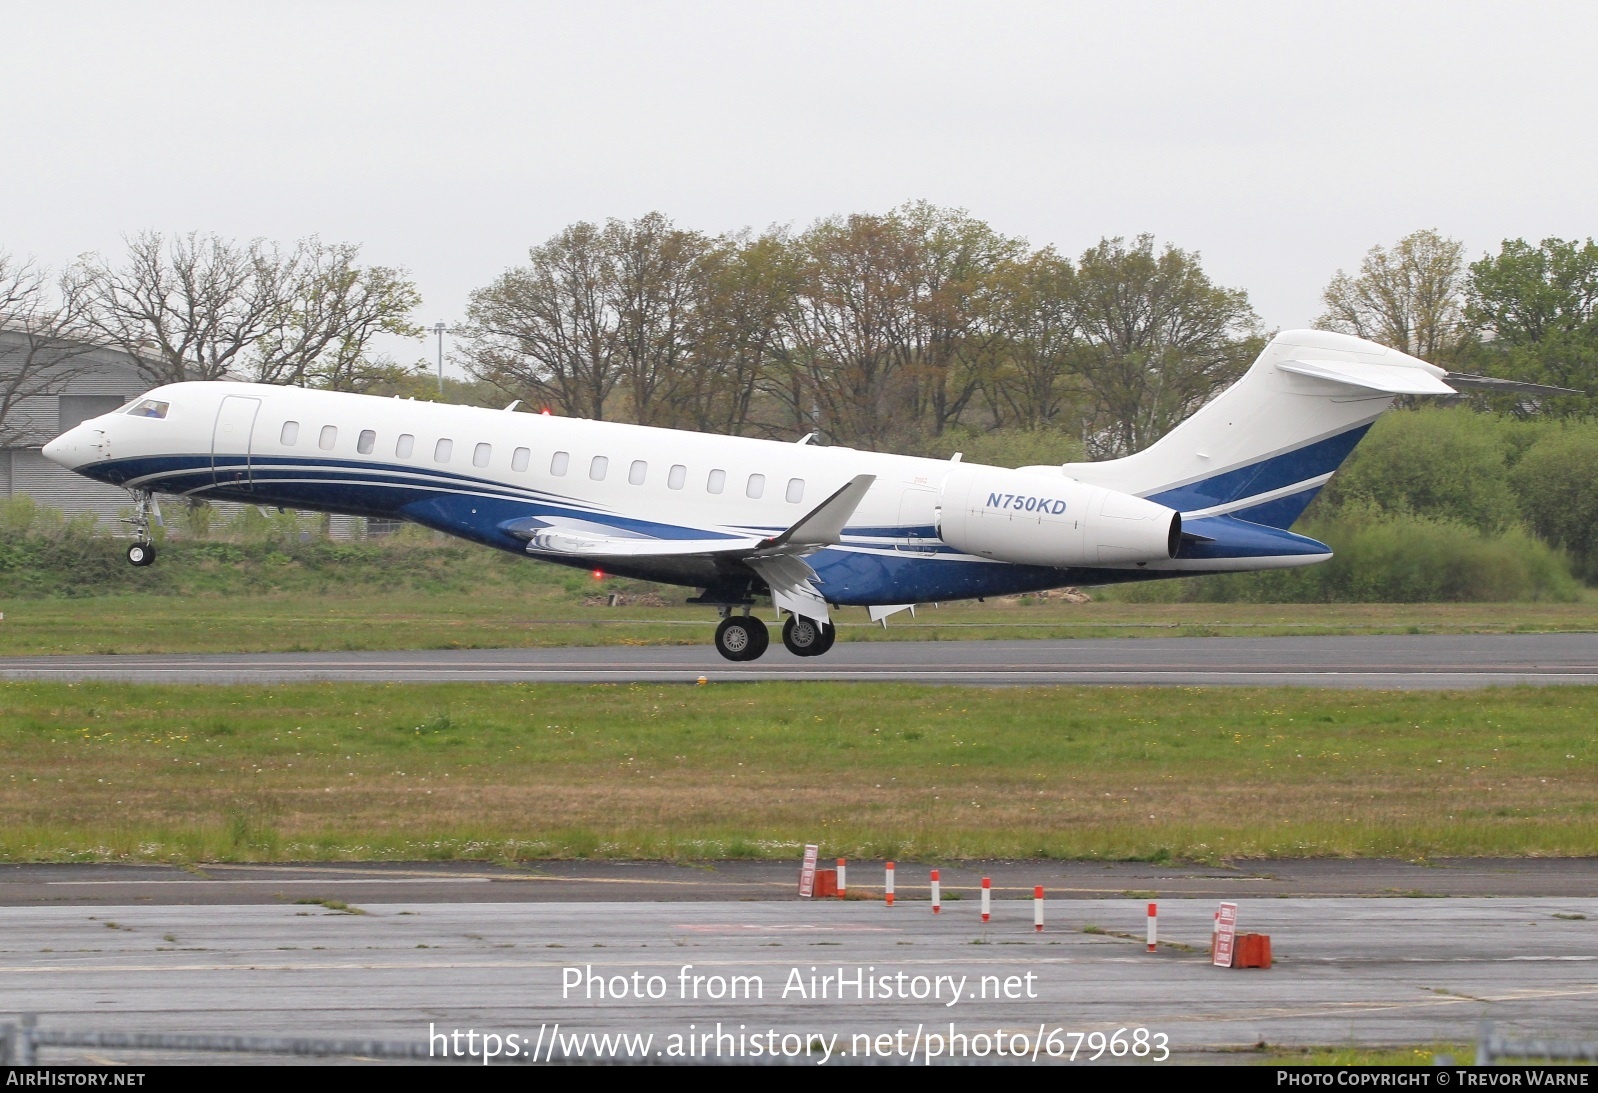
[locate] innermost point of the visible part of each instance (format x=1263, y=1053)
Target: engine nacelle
x=1034, y=519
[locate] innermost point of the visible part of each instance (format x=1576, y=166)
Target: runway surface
x=754, y=881
x=1348, y=971
x=1403, y=662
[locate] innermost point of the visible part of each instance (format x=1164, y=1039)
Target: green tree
x=738, y=334
x=1439, y=463
x=1161, y=339
x=1557, y=485
x=1537, y=311
x=1033, y=376
x=948, y=330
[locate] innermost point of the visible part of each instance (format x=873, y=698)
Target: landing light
x=599, y=574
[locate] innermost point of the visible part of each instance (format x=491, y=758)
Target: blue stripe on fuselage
x=1277, y=472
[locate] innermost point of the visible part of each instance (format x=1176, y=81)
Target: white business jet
x=814, y=528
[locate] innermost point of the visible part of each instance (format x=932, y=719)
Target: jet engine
x=1034, y=519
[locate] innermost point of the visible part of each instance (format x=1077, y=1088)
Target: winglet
x=824, y=525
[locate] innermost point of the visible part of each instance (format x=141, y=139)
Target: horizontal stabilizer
x=1492, y=384
x=1383, y=378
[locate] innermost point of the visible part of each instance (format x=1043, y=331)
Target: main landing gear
x=744, y=637
x=807, y=637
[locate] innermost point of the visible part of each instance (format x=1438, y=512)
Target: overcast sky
x=1280, y=140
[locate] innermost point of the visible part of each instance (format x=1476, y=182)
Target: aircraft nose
x=66, y=449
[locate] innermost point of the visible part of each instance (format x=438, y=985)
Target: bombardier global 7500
x=813, y=527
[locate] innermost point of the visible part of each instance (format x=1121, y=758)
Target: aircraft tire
x=762, y=638
x=806, y=637
x=141, y=554
x=742, y=637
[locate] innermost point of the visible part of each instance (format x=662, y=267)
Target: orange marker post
x=937, y=901
x=1154, y=929
x=987, y=897
x=841, y=887
x=1037, y=908
x=888, y=888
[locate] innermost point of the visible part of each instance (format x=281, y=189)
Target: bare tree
x=332, y=310
x=203, y=307
x=191, y=309
x=549, y=332
x=42, y=346
x=1410, y=297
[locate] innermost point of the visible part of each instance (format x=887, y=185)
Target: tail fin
x=1262, y=449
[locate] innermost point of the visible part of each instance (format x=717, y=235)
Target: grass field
x=115, y=772
x=504, y=617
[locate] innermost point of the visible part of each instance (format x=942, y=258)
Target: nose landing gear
x=145, y=509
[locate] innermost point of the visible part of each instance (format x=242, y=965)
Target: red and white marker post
x=937, y=899
x=987, y=897
x=807, y=873
x=841, y=887
x=1225, y=935
x=1037, y=908
x=888, y=887
x=1154, y=929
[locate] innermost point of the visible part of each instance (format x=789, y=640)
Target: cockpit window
x=148, y=408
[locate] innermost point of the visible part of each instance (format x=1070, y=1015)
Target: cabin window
x=678, y=476
x=559, y=462
x=519, y=458
x=366, y=442
x=404, y=446
x=597, y=468
x=636, y=473
x=796, y=490
x=328, y=438
x=443, y=450
x=482, y=454
x=756, y=486
x=290, y=433
x=717, y=481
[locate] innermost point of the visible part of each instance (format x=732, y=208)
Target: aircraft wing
x=777, y=559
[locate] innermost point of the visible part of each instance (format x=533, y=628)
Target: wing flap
x=777, y=560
